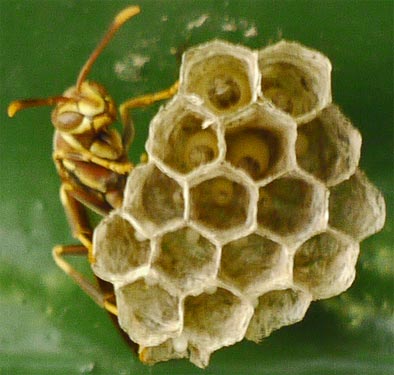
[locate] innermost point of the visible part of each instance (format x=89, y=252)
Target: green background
x=47, y=325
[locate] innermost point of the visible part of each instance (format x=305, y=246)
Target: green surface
x=47, y=325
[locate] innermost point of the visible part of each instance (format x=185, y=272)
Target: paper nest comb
x=250, y=207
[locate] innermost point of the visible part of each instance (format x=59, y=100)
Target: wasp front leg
x=120, y=167
x=139, y=102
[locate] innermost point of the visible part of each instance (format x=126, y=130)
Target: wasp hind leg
x=59, y=252
x=77, y=216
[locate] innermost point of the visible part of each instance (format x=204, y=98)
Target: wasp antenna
x=18, y=105
x=125, y=14
x=122, y=17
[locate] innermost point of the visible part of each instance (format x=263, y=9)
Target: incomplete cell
x=259, y=141
x=276, y=309
x=251, y=263
x=292, y=207
x=219, y=203
x=148, y=313
x=329, y=147
x=186, y=258
x=212, y=321
x=224, y=76
x=325, y=265
x=153, y=198
x=296, y=79
x=356, y=207
x=117, y=251
x=184, y=137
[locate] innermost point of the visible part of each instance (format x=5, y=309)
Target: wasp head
x=86, y=110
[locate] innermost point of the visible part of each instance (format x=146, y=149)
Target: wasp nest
x=250, y=207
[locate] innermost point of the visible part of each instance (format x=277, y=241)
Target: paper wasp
x=91, y=156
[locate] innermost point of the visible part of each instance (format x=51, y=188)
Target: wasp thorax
x=250, y=206
x=89, y=109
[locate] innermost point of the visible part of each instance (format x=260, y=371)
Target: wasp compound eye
x=67, y=119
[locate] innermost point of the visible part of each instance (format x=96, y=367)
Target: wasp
x=91, y=156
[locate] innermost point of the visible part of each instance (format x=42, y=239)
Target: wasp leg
x=85, y=155
x=59, y=252
x=77, y=217
x=141, y=101
x=72, y=200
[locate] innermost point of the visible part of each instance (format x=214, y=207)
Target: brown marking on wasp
x=91, y=157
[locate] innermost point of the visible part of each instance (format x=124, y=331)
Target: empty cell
x=148, y=313
x=214, y=320
x=162, y=197
x=251, y=262
x=186, y=258
x=328, y=147
x=289, y=206
x=152, y=197
x=325, y=265
x=116, y=249
x=219, y=203
x=276, y=309
x=357, y=207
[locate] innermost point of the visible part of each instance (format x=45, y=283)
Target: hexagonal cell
x=296, y=79
x=148, y=313
x=260, y=141
x=325, y=264
x=219, y=203
x=276, y=309
x=186, y=258
x=292, y=207
x=357, y=207
x=116, y=249
x=183, y=136
x=329, y=146
x=252, y=262
x=153, y=198
x=223, y=75
x=212, y=321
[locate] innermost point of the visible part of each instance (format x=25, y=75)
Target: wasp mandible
x=91, y=156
